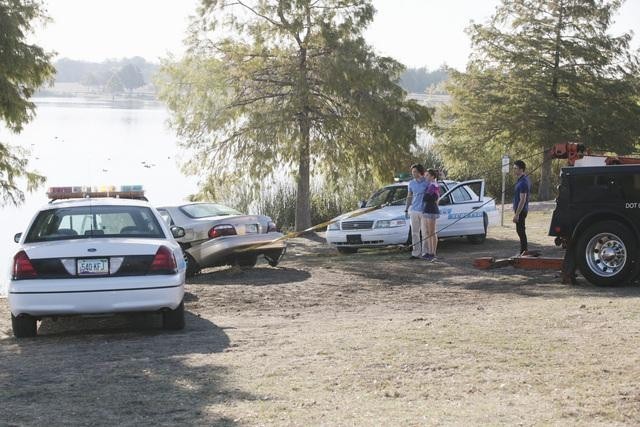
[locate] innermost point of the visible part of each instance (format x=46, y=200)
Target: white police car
x=96, y=256
x=464, y=211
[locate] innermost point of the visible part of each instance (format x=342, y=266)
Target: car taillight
x=272, y=227
x=163, y=262
x=222, y=230
x=22, y=267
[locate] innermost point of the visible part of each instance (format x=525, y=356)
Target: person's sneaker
x=427, y=257
x=434, y=258
x=414, y=257
x=530, y=253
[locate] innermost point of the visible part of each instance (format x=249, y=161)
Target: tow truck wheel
x=606, y=253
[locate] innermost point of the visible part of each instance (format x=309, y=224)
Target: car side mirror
x=362, y=204
x=177, y=232
x=444, y=201
x=17, y=237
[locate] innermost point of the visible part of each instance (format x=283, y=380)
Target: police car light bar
x=402, y=176
x=81, y=192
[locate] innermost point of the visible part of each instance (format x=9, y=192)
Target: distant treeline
x=112, y=75
x=421, y=80
x=119, y=75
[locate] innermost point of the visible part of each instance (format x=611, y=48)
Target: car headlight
x=334, y=226
x=391, y=223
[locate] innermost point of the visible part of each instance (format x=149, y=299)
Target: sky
x=418, y=33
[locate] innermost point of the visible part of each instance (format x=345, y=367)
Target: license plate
x=251, y=228
x=95, y=266
x=354, y=239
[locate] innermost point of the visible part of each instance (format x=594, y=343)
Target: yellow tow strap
x=294, y=234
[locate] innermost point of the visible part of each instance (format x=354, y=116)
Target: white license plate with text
x=94, y=266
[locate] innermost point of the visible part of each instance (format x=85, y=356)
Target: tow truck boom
x=578, y=154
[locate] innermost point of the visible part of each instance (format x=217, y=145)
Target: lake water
x=76, y=142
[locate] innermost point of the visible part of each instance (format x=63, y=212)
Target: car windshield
x=396, y=195
x=379, y=197
x=203, y=210
x=399, y=197
x=83, y=222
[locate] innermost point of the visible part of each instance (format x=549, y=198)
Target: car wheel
x=606, y=252
x=346, y=251
x=193, y=267
x=24, y=326
x=273, y=262
x=174, y=319
x=249, y=260
x=478, y=239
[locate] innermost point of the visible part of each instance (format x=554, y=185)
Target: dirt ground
x=327, y=339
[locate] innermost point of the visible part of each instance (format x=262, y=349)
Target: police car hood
x=388, y=212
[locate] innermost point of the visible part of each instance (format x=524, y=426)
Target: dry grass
x=370, y=339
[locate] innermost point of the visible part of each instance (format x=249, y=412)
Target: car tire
x=273, y=257
x=606, y=253
x=273, y=262
x=248, y=260
x=193, y=267
x=24, y=326
x=173, y=319
x=478, y=239
x=347, y=251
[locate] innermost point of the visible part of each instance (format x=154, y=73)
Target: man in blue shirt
x=521, y=203
x=417, y=187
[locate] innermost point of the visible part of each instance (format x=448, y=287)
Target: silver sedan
x=219, y=235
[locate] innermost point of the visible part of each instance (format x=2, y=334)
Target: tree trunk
x=303, y=199
x=544, y=191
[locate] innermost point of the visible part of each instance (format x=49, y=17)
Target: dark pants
x=522, y=233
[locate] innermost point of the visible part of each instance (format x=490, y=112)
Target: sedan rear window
x=203, y=210
x=94, y=221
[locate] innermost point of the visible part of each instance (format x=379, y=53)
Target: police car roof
x=94, y=201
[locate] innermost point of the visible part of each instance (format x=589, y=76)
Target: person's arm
x=432, y=194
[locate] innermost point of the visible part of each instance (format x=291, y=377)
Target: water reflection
x=115, y=103
x=91, y=142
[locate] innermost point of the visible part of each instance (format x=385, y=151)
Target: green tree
x=114, y=85
x=90, y=80
x=131, y=77
x=541, y=72
x=419, y=80
x=24, y=67
x=289, y=86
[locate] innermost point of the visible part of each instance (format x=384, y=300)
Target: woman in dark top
x=431, y=213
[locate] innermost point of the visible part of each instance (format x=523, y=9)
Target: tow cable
x=363, y=211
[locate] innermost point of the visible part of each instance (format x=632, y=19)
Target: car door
x=461, y=209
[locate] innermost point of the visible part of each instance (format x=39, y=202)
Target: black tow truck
x=596, y=219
